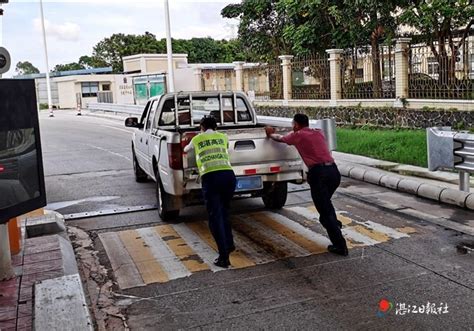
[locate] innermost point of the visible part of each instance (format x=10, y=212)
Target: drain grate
x=106, y=212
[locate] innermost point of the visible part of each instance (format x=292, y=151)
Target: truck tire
x=140, y=175
x=165, y=203
x=275, y=194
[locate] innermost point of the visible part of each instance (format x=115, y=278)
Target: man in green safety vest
x=218, y=184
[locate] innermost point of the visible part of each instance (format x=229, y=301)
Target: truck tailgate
x=252, y=147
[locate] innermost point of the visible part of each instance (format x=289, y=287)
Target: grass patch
x=401, y=146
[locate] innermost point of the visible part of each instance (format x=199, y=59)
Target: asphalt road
x=280, y=279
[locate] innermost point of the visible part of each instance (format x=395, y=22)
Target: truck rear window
x=202, y=106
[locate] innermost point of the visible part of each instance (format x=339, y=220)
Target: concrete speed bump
x=454, y=197
x=409, y=186
x=430, y=191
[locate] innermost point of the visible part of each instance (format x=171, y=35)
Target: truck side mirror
x=132, y=122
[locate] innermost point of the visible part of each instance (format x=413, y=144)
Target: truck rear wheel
x=275, y=194
x=165, y=204
x=140, y=175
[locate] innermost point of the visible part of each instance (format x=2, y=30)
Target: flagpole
x=48, y=83
x=169, y=48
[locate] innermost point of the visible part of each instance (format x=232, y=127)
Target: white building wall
x=184, y=80
x=67, y=94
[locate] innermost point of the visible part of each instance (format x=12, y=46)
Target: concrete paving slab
x=60, y=304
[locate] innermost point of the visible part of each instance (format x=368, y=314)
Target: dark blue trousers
x=323, y=181
x=218, y=188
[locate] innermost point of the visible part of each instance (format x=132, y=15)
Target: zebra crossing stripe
x=305, y=212
x=180, y=248
x=237, y=259
x=357, y=239
x=166, y=252
x=150, y=270
x=276, y=244
x=123, y=267
x=293, y=231
x=200, y=247
x=163, y=254
x=376, y=231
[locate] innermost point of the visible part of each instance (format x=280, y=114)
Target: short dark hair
x=301, y=119
x=208, y=122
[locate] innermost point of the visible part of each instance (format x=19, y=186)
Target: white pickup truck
x=169, y=122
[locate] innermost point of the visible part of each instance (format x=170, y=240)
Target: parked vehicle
x=169, y=122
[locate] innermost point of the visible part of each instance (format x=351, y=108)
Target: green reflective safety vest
x=211, y=152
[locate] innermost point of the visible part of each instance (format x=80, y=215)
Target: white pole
x=48, y=84
x=1, y=30
x=6, y=270
x=1, y=26
x=169, y=49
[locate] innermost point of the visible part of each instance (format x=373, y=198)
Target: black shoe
x=340, y=224
x=222, y=262
x=231, y=249
x=338, y=250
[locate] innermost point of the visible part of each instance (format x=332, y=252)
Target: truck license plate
x=248, y=183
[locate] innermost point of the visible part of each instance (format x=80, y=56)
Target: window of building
x=360, y=73
x=106, y=87
x=433, y=66
x=89, y=89
x=472, y=63
x=416, y=64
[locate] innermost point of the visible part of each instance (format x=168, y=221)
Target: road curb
x=52, y=228
x=411, y=186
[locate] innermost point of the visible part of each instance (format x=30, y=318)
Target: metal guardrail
x=116, y=108
x=451, y=150
x=327, y=125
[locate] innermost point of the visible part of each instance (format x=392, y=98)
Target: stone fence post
x=239, y=75
x=335, y=56
x=402, y=67
x=286, y=69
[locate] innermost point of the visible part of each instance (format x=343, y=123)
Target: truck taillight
x=275, y=169
x=175, y=156
x=187, y=137
x=2, y=168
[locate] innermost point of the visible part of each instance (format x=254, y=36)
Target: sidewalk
x=42, y=258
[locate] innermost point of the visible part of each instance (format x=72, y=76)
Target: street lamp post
x=169, y=48
x=48, y=83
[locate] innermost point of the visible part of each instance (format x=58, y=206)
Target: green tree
x=362, y=22
x=91, y=62
x=26, y=68
x=67, y=67
x=261, y=28
x=111, y=50
x=439, y=21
